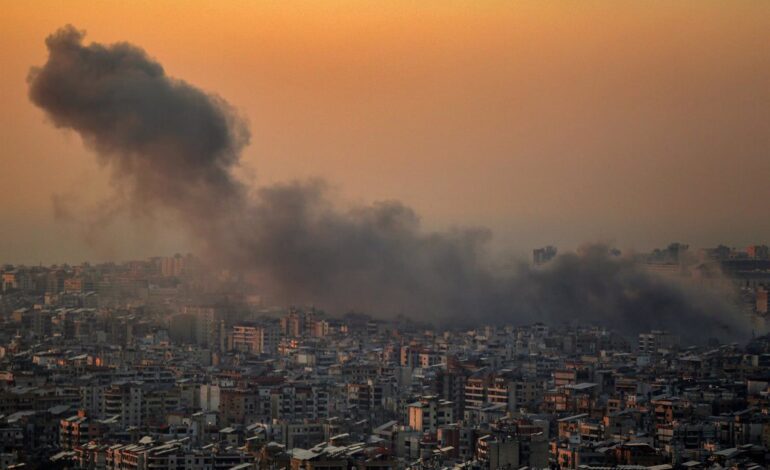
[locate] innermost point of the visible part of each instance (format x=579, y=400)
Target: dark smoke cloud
x=378, y=259
x=174, y=147
x=594, y=286
x=166, y=141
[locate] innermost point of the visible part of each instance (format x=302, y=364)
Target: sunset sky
x=555, y=122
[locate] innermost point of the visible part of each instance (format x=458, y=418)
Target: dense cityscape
x=384, y=235
x=167, y=364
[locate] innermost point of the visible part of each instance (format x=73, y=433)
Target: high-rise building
x=293, y=324
x=255, y=339
x=204, y=326
x=174, y=266
x=650, y=343
x=758, y=251
x=429, y=413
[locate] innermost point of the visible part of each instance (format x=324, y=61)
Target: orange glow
x=531, y=117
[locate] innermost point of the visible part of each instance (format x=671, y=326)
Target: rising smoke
x=172, y=146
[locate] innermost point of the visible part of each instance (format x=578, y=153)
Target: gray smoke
x=173, y=146
x=166, y=142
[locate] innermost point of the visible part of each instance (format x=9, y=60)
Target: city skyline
x=384, y=235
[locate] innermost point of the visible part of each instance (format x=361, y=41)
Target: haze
x=549, y=123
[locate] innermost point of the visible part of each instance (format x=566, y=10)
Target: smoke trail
x=171, y=145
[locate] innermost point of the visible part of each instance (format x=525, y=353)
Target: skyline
x=484, y=115
x=360, y=235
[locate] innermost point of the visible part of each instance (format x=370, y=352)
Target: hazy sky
x=549, y=122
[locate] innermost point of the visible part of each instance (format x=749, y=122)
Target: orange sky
x=550, y=122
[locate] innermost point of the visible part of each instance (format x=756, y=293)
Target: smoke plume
x=172, y=146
